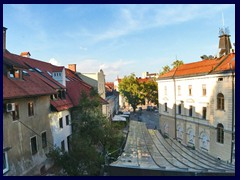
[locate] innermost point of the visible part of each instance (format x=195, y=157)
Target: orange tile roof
x=202, y=67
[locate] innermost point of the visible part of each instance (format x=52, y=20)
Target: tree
x=150, y=91
x=130, y=88
x=92, y=137
x=177, y=63
x=165, y=69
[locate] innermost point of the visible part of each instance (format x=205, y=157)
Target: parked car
x=149, y=108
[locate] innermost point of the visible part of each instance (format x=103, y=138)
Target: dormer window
x=61, y=94
x=15, y=73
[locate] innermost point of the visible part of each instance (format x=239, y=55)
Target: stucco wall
x=17, y=136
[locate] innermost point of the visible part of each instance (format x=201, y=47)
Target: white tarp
x=118, y=118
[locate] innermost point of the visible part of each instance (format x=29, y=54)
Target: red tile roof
x=30, y=86
x=76, y=86
x=41, y=83
x=62, y=104
x=202, y=67
x=110, y=84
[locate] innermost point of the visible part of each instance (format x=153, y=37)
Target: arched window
x=220, y=101
x=220, y=133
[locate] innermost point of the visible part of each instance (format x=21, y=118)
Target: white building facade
x=197, y=106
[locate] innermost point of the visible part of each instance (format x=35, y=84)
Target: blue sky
x=120, y=39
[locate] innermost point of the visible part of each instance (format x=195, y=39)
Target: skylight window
x=25, y=73
x=49, y=73
x=38, y=70
x=32, y=70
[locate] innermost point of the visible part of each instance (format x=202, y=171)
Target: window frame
x=220, y=133
x=61, y=123
x=191, y=111
x=190, y=90
x=204, y=90
x=15, y=114
x=204, y=112
x=220, y=101
x=44, y=139
x=63, y=146
x=5, y=162
x=165, y=107
x=67, y=120
x=30, y=109
x=36, y=150
x=180, y=109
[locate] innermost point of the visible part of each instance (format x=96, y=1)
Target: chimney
x=4, y=38
x=25, y=54
x=72, y=67
x=224, y=42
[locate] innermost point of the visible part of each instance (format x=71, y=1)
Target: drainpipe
x=233, y=111
x=175, y=104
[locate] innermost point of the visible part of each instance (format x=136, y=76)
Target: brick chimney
x=72, y=67
x=4, y=38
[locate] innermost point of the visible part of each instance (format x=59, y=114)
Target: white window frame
x=6, y=160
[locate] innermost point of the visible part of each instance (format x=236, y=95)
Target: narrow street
x=150, y=118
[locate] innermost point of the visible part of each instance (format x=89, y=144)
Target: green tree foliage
x=177, y=63
x=165, y=69
x=92, y=137
x=130, y=88
x=150, y=91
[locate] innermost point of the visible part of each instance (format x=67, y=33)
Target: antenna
x=223, y=19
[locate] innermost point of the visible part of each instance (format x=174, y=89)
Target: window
x=165, y=90
x=165, y=105
x=63, y=146
x=5, y=163
x=15, y=114
x=13, y=73
x=204, y=90
x=220, y=133
x=44, y=139
x=179, y=90
x=179, y=108
x=34, y=145
x=68, y=142
x=220, y=101
x=190, y=90
x=67, y=120
x=190, y=111
x=30, y=109
x=220, y=79
x=60, y=122
x=204, y=112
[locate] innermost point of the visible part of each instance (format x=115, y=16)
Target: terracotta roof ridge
x=218, y=64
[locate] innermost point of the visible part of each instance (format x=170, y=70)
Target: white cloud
x=132, y=18
x=54, y=62
x=111, y=70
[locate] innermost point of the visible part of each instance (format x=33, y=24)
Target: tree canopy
x=92, y=137
x=130, y=88
x=150, y=91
